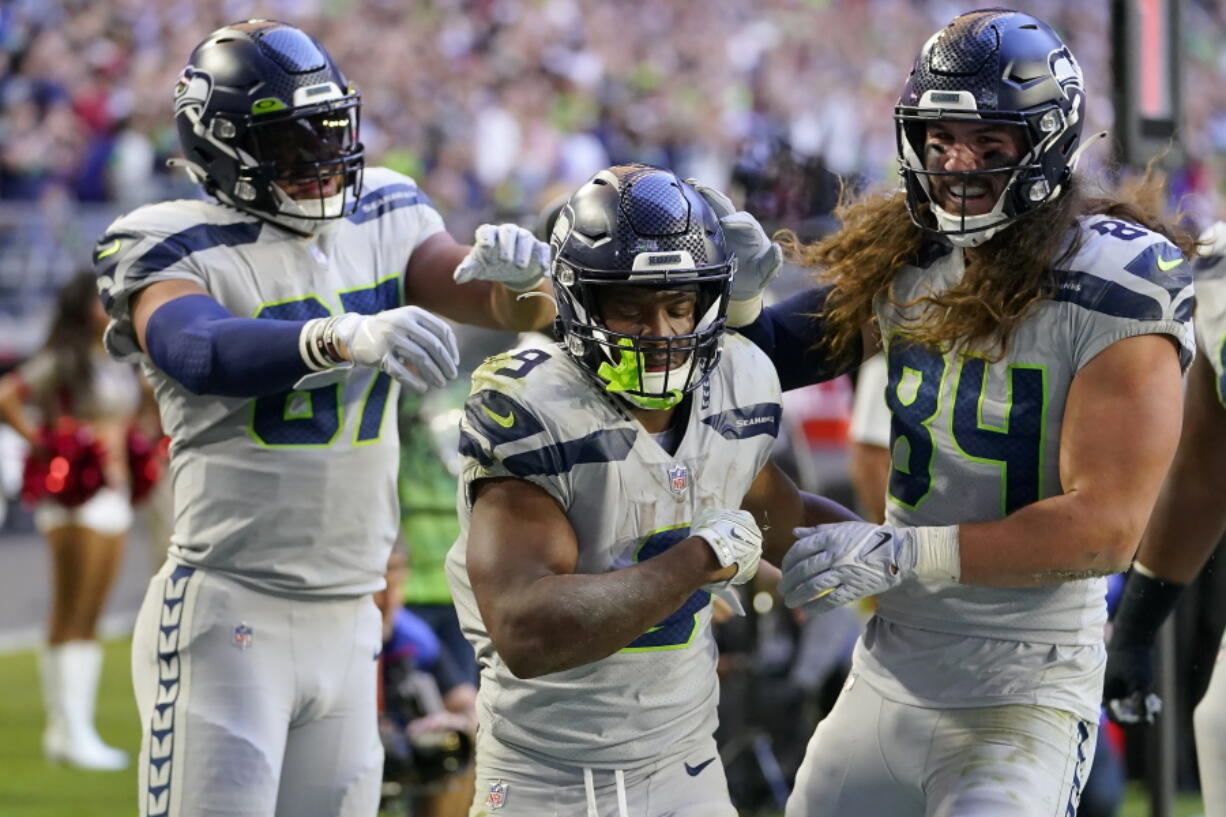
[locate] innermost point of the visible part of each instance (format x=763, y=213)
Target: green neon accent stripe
x=1003, y=429
x=926, y=424
x=695, y=624
x=267, y=105
x=111, y=250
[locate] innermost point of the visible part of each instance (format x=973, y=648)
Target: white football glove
x=832, y=565
x=758, y=259
x=508, y=254
x=735, y=538
x=412, y=345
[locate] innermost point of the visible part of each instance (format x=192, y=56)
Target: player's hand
x=507, y=254
x=735, y=539
x=758, y=259
x=832, y=565
x=1128, y=687
x=412, y=345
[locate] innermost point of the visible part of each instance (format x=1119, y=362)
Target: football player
x=1187, y=524
x=601, y=503
x=277, y=323
x=1026, y=327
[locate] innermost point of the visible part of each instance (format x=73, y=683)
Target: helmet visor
x=310, y=155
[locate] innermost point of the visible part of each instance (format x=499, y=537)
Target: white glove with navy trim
x=412, y=345
x=735, y=538
x=832, y=565
x=758, y=259
x=507, y=254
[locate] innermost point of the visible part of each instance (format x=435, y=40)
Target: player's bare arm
x=1117, y=442
x=780, y=507
x=1190, y=516
x=541, y=615
x=430, y=284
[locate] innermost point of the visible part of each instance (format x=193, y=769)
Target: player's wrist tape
x=1145, y=604
x=743, y=313
x=938, y=554
x=319, y=344
x=724, y=554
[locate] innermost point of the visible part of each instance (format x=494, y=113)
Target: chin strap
x=1072, y=160
x=624, y=377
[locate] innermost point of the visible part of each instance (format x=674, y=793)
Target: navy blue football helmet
x=269, y=124
x=640, y=226
x=1001, y=67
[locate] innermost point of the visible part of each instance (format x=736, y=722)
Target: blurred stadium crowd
x=502, y=104
x=498, y=106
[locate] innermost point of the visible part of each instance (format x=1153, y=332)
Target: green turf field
x=31, y=788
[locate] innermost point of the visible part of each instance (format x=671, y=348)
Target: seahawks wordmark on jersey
x=293, y=492
x=974, y=440
x=537, y=415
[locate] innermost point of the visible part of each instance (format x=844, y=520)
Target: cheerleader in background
x=80, y=481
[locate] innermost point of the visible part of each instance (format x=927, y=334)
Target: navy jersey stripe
x=1107, y=297
x=1163, y=264
x=471, y=447
x=611, y=445
x=1206, y=263
x=384, y=200
x=744, y=422
x=174, y=249
x=500, y=419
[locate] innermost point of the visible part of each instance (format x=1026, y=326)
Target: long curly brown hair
x=71, y=342
x=1004, y=278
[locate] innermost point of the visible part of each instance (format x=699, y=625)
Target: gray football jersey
x=974, y=440
x=291, y=493
x=1211, y=304
x=537, y=415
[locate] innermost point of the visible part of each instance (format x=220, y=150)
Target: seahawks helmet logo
x=193, y=90
x=1065, y=70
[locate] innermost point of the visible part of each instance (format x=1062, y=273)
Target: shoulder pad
x=386, y=190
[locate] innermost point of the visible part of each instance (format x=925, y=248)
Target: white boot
x=80, y=663
x=55, y=733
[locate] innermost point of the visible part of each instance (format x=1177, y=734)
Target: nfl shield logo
x=678, y=479
x=242, y=636
x=497, y=797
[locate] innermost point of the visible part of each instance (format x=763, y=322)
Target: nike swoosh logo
x=505, y=422
x=882, y=538
x=114, y=248
x=738, y=537
x=1169, y=265
x=694, y=771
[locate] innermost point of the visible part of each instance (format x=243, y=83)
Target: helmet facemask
x=306, y=167
x=1025, y=187
x=991, y=68
x=648, y=371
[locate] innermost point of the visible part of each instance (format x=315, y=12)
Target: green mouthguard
x=625, y=376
